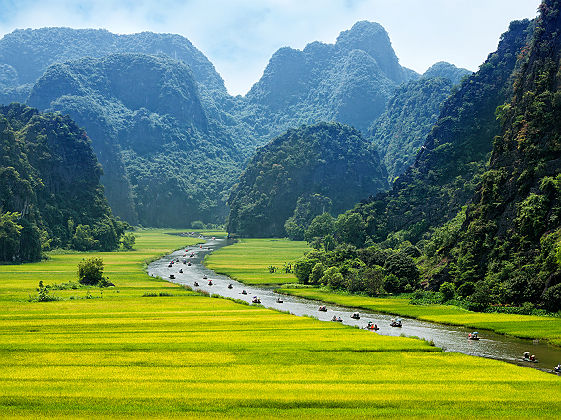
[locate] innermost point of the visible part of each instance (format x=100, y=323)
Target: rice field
x=248, y=260
x=127, y=355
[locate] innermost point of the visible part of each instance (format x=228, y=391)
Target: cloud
x=239, y=36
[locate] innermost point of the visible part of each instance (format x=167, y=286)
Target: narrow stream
x=447, y=337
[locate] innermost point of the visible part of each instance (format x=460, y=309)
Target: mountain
x=326, y=162
x=26, y=54
x=168, y=160
x=449, y=165
x=50, y=190
x=410, y=115
x=349, y=81
x=509, y=244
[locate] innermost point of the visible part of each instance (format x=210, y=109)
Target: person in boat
x=376, y=327
x=279, y=300
x=369, y=325
x=557, y=368
x=334, y=318
x=244, y=292
x=210, y=282
x=339, y=319
x=171, y=276
x=230, y=286
x=196, y=284
x=181, y=270
x=533, y=358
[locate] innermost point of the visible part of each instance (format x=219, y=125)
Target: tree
x=90, y=271
x=83, y=239
x=128, y=240
x=448, y=291
x=321, y=226
x=351, y=229
x=9, y=236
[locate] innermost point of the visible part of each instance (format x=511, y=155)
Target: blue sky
x=239, y=36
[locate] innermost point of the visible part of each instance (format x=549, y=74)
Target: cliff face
x=513, y=227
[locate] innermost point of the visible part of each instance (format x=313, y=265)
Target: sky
x=240, y=36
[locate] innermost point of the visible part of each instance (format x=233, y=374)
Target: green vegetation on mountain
x=349, y=82
x=50, y=191
x=509, y=244
x=26, y=54
x=450, y=163
x=328, y=159
x=410, y=114
x=166, y=161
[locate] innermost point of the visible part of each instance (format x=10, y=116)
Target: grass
x=523, y=326
x=185, y=355
x=248, y=260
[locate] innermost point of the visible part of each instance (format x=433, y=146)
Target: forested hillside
x=50, y=191
x=449, y=165
x=303, y=173
x=509, y=245
x=26, y=54
x=349, y=81
x=410, y=114
x=166, y=162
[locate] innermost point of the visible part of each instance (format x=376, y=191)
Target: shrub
x=90, y=271
x=128, y=241
x=448, y=291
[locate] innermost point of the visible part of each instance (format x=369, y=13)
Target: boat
x=473, y=336
x=529, y=357
x=373, y=327
x=255, y=300
x=230, y=286
x=336, y=319
x=279, y=300
x=210, y=282
x=557, y=369
x=171, y=276
x=244, y=292
x=322, y=308
x=196, y=284
x=356, y=315
x=181, y=271
x=205, y=277
x=170, y=265
x=396, y=323
x=188, y=264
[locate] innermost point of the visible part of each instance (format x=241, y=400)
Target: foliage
x=90, y=271
x=509, y=241
x=294, y=177
x=128, y=241
x=410, y=115
x=448, y=291
x=448, y=166
x=47, y=172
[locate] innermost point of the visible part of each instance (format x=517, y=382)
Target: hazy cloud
x=239, y=36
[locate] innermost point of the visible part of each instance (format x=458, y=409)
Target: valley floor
x=128, y=353
x=242, y=262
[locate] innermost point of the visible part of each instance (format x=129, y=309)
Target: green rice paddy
x=124, y=355
x=248, y=260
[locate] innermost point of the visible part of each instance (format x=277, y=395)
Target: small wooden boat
x=322, y=308
x=279, y=300
x=396, y=323
x=171, y=276
x=356, y=315
x=230, y=286
x=180, y=271
x=196, y=284
x=255, y=300
x=210, y=282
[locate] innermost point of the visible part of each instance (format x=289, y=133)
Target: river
x=447, y=337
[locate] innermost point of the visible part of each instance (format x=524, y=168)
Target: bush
x=197, y=224
x=448, y=291
x=392, y=284
x=552, y=298
x=128, y=241
x=90, y=271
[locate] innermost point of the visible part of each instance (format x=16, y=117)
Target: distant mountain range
x=172, y=141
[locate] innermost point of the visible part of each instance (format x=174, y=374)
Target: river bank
x=232, y=260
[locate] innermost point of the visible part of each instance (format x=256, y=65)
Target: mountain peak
x=448, y=71
x=373, y=39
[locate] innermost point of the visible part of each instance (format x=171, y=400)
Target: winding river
x=447, y=337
